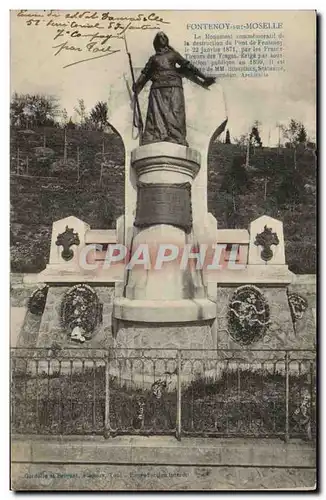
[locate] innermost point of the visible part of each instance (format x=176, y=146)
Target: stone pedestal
x=166, y=285
x=265, y=274
x=164, y=336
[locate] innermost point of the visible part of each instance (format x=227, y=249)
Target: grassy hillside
x=47, y=190
x=50, y=191
x=43, y=161
x=299, y=219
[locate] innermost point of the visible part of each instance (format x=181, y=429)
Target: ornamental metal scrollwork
x=298, y=306
x=301, y=418
x=81, y=312
x=37, y=300
x=67, y=239
x=266, y=239
x=248, y=315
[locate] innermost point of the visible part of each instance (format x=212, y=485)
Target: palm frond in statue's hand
x=209, y=80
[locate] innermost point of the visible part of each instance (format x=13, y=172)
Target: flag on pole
x=220, y=129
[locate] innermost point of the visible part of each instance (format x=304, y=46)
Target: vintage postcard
x=163, y=250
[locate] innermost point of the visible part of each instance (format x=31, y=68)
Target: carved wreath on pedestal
x=298, y=306
x=37, y=300
x=81, y=312
x=249, y=315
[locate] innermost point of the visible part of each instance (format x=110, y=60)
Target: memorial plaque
x=164, y=204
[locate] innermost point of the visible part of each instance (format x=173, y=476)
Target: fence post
x=107, y=396
x=287, y=396
x=38, y=424
x=12, y=390
x=311, y=399
x=178, y=422
x=94, y=396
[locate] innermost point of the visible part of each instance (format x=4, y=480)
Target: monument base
x=197, y=335
x=165, y=311
x=134, y=341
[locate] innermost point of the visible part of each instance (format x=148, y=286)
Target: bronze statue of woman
x=166, y=116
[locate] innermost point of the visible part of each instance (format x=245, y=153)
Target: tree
x=99, y=115
x=99, y=120
x=302, y=135
x=64, y=117
x=290, y=131
x=267, y=169
x=66, y=122
x=254, y=137
x=71, y=125
x=33, y=110
x=294, y=134
x=81, y=111
x=227, y=137
x=254, y=140
x=17, y=117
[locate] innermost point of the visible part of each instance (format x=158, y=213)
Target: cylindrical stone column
x=165, y=173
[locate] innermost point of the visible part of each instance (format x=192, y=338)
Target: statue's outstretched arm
x=143, y=78
x=188, y=66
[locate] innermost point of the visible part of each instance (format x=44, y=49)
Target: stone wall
x=161, y=463
x=21, y=288
x=281, y=333
x=305, y=328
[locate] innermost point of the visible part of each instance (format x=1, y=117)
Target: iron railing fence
x=222, y=393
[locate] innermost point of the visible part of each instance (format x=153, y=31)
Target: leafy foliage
x=255, y=137
x=99, y=115
x=294, y=132
x=27, y=110
x=81, y=111
x=302, y=136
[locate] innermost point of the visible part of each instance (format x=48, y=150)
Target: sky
x=271, y=100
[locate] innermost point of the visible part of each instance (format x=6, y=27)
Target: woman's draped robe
x=166, y=115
